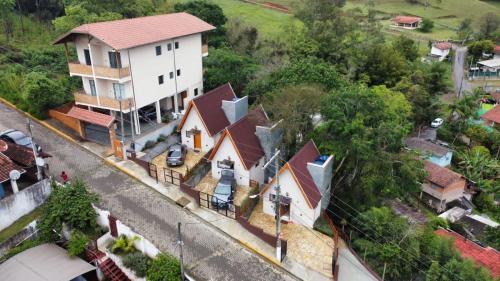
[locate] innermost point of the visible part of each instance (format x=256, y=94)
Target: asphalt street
x=209, y=254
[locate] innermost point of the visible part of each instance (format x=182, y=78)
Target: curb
x=272, y=260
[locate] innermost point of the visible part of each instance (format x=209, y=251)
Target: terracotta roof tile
x=443, y=45
x=441, y=176
x=6, y=166
x=129, y=33
x=21, y=155
x=91, y=116
x=426, y=146
x=209, y=107
x=492, y=115
x=298, y=163
x=243, y=134
x=486, y=257
x=406, y=19
x=496, y=96
x=497, y=49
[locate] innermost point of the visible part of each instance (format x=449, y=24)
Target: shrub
x=436, y=222
x=138, y=262
x=426, y=25
x=161, y=138
x=77, y=244
x=164, y=268
x=444, y=133
x=149, y=144
x=124, y=244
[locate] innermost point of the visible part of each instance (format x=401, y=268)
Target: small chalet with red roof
x=205, y=118
x=407, y=22
x=442, y=186
x=305, y=186
x=492, y=117
x=488, y=257
x=440, y=50
x=242, y=148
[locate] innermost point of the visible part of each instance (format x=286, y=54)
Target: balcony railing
x=100, y=71
x=106, y=102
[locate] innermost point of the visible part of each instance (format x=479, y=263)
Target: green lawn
x=19, y=224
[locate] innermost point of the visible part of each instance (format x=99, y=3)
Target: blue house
x=435, y=153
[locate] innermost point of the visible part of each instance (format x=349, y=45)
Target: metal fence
x=222, y=207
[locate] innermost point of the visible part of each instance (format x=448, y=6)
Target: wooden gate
x=153, y=171
x=171, y=176
x=112, y=226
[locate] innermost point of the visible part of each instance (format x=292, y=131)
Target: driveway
x=461, y=85
x=209, y=254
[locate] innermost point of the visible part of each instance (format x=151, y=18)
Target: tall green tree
x=489, y=26
x=76, y=15
x=43, y=93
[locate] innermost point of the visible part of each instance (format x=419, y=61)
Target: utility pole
x=35, y=154
x=132, y=145
x=277, y=202
x=122, y=129
x=180, y=243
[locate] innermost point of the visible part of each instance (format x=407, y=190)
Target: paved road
x=461, y=85
x=209, y=254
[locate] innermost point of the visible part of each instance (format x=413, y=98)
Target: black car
x=176, y=155
x=18, y=137
x=224, y=191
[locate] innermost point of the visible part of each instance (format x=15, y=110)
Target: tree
x=287, y=104
x=477, y=48
x=225, y=65
x=77, y=15
x=433, y=273
x=465, y=29
x=491, y=236
x=384, y=66
x=488, y=28
x=406, y=47
x=210, y=13
x=436, y=82
x=426, y=25
x=480, y=168
x=6, y=9
x=242, y=37
x=70, y=205
x=43, y=93
x=77, y=244
x=164, y=267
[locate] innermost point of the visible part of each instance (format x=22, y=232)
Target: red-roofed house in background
x=305, y=186
x=496, y=52
x=442, y=186
x=440, y=50
x=407, y=22
x=488, y=257
x=205, y=117
x=147, y=66
x=492, y=117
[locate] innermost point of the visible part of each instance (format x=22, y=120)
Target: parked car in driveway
x=224, y=191
x=176, y=155
x=18, y=137
x=437, y=122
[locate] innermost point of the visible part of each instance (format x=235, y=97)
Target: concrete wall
x=26, y=232
x=22, y=203
x=193, y=121
x=444, y=161
x=165, y=129
x=142, y=244
x=322, y=176
x=300, y=212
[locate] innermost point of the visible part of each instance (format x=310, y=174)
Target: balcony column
x=158, y=112
x=137, y=123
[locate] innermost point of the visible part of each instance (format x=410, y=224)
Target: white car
x=437, y=122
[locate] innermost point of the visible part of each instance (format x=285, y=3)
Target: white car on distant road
x=437, y=122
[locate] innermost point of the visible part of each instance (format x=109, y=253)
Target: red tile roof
x=492, y=115
x=496, y=96
x=298, y=163
x=21, y=155
x=497, y=49
x=6, y=166
x=129, y=33
x=441, y=176
x=209, y=107
x=91, y=116
x=406, y=19
x=443, y=45
x=243, y=136
x=486, y=257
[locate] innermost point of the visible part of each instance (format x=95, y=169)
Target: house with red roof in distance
x=208, y=115
x=305, y=186
x=496, y=52
x=245, y=145
x=144, y=67
x=407, y=22
x=440, y=50
x=492, y=117
x=443, y=186
x=486, y=257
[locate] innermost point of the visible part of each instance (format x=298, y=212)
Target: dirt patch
x=305, y=245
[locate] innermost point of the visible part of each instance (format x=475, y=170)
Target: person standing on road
x=64, y=177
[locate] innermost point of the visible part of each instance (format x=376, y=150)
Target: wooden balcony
x=104, y=102
x=204, y=50
x=100, y=71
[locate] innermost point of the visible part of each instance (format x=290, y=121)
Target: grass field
x=19, y=224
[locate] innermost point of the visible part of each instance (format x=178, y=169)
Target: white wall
x=22, y=203
x=193, y=121
x=257, y=172
x=147, y=66
x=300, y=212
x=226, y=149
x=441, y=53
